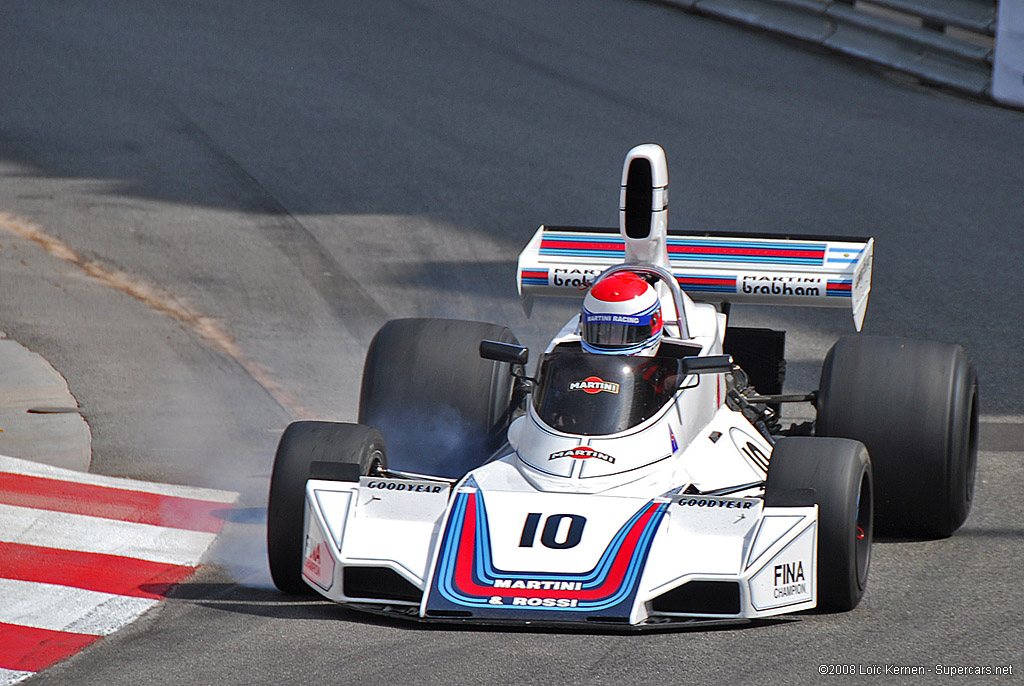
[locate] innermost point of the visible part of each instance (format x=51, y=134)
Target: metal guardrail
x=945, y=42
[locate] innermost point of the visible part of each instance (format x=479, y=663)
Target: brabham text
x=781, y=285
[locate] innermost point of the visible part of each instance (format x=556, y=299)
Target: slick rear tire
x=442, y=408
x=914, y=404
x=838, y=471
x=341, y=452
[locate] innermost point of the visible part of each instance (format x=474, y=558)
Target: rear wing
x=723, y=267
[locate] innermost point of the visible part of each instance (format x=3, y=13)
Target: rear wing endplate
x=725, y=267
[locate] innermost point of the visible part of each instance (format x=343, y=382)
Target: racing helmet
x=621, y=316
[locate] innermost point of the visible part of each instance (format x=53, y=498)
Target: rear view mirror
x=504, y=352
x=712, y=364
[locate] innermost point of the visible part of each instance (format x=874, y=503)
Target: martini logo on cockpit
x=582, y=453
x=594, y=384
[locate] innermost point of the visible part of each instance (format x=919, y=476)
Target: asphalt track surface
x=209, y=208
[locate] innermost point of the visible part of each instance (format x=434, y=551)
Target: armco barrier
x=945, y=42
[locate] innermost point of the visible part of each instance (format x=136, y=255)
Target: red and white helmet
x=621, y=316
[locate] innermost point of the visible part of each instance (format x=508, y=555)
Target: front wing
x=428, y=550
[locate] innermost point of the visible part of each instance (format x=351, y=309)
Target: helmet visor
x=616, y=331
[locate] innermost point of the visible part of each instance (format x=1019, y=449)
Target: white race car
x=629, y=490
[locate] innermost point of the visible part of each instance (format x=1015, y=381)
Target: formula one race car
x=642, y=476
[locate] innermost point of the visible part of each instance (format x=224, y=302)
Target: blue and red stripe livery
x=707, y=284
x=841, y=288
x=534, y=277
x=702, y=250
x=465, y=576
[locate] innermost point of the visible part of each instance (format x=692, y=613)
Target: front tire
x=839, y=473
x=342, y=452
x=442, y=407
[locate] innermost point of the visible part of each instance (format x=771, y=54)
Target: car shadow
x=271, y=603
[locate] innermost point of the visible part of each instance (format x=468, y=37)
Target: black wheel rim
x=376, y=464
x=863, y=529
x=972, y=448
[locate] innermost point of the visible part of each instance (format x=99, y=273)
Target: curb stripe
x=13, y=676
x=29, y=649
x=90, y=571
x=109, y=503
x=108, y=536
x=66, y=609
x=14, y=465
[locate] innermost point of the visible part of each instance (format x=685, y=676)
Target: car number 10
x=549, y=533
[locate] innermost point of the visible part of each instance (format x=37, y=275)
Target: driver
x=621, y=316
